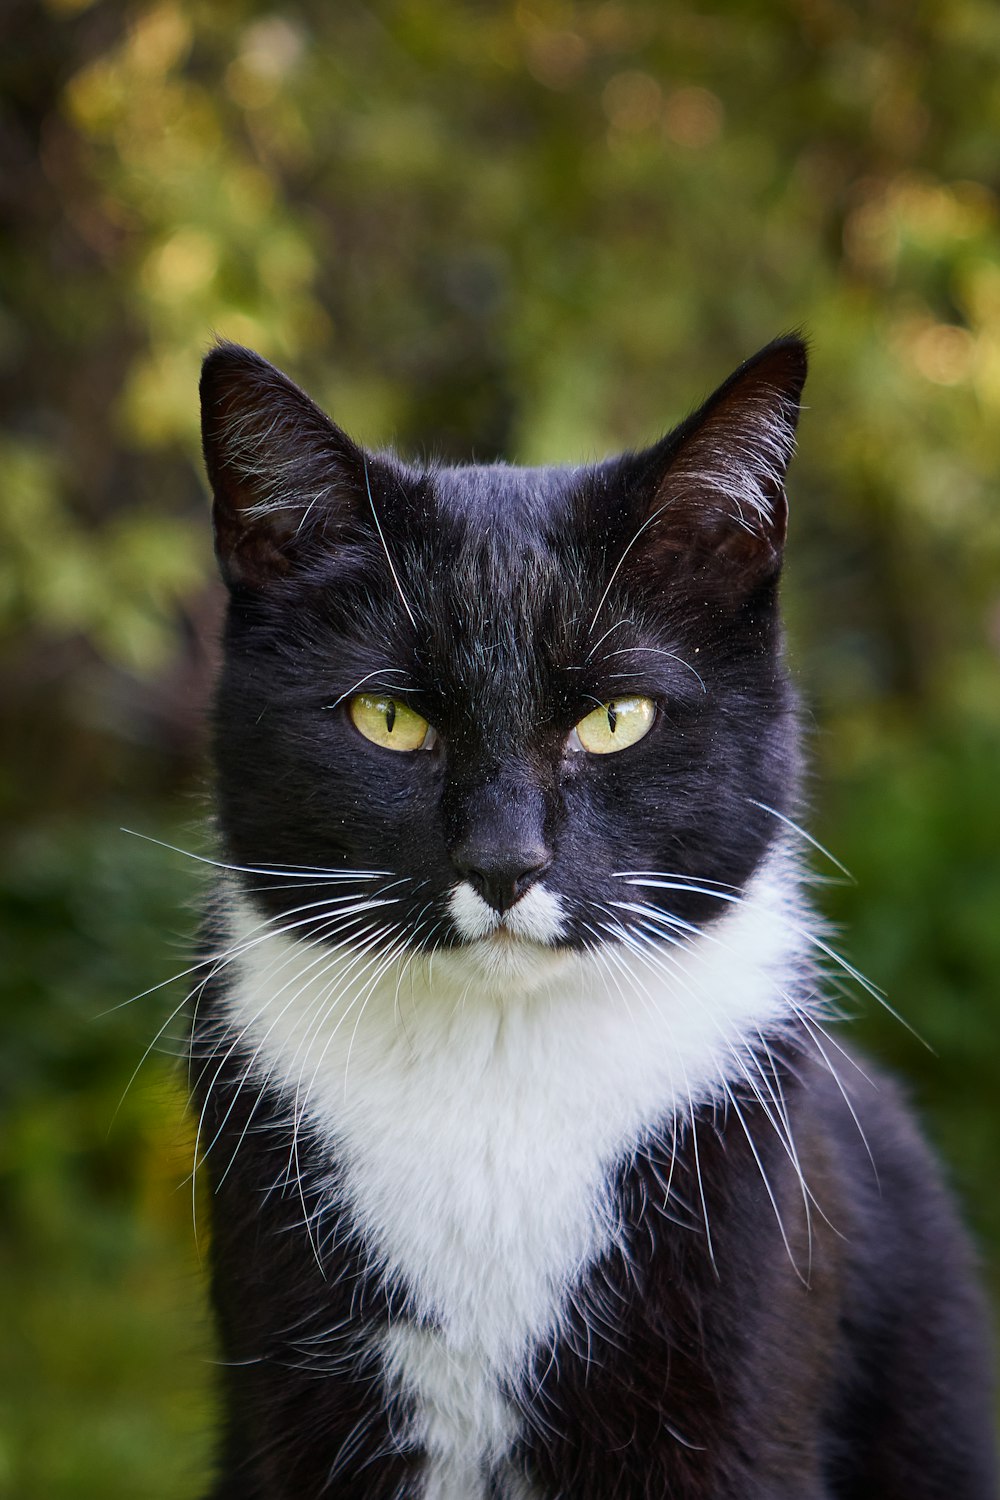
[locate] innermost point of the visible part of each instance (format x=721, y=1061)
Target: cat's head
x=500, y=694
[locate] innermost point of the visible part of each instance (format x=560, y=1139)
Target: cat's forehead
x=500, y=588
x=506, y=496
x=502, y=561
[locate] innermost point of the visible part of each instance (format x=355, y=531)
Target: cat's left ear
x=714, y=489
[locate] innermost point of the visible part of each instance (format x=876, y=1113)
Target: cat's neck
x=688, y=1008
x=476, y=1113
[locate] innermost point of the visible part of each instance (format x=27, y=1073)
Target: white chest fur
x=477, y=1106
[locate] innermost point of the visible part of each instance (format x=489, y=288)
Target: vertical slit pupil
x=390, y=714
x=612, y=717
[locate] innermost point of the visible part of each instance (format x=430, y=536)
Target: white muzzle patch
x=537, y=916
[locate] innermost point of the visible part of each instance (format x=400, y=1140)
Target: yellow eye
x=389, y=723
x=614, y=726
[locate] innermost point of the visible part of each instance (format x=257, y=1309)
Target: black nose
x=501, y=877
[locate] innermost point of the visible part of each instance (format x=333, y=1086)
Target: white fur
x=477, y=1104
x=538, y=915
x=457, y=1396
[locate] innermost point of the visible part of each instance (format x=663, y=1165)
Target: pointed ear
x=282, y=473
x=714, y=488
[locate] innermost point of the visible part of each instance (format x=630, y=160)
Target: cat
x=535, y=1173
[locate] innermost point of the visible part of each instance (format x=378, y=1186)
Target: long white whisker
x=237, y=1034
x=619, y=564
x=806, y=933
x=795, y=828
x=385, y=548
x=378, y=672
x=289, y=872
x=658, y=651
x=691, y=1112
x=764, y=1178
x=784, y=1136
x=598, y=643
x=322, y=941
x=811, y=1029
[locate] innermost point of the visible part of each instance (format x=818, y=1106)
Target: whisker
x=620, y=563
x=795, y=828
x=378, y=672
x=616, y=626
x=784, y=1136
x=289, y=872
x=806, y=933
x=658, y=651
x=385, y=548
x=301, y=973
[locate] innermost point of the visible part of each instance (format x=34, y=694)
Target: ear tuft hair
x=714, y=487
x=280, y=470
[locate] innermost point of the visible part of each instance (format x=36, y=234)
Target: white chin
x=502, y=967
x=517, y=946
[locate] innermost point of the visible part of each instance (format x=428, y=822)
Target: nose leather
x=501, y=849
x=501, y=875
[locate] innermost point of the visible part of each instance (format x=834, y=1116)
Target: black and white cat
x=535, y=1173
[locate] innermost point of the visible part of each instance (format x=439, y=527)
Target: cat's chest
x=475, y=1123
x=482, y=1206
x=474, y=1142
x=471, y=1145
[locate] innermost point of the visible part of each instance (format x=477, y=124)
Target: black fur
x=501, y=604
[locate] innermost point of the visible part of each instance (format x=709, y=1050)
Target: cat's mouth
x=503, y=943
x=508, y=954
x=537, y=919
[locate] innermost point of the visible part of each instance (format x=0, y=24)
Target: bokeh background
x=541, y=230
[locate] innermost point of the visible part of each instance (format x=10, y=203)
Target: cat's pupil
x=390, y=714
x=612, y=717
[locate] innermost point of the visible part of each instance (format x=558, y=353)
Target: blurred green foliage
x=541, y=230
x=103, y=1370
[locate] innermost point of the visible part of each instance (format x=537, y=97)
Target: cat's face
x=508, y=692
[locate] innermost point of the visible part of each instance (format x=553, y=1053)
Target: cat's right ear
x=711, y=494
x=282, y=473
